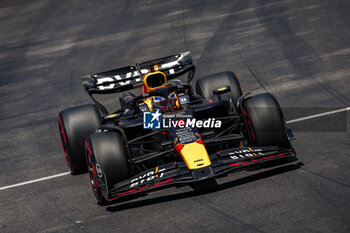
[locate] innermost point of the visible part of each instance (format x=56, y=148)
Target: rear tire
x=75, y=124
x=107, y=162
x=206, y=85
x=265, y=121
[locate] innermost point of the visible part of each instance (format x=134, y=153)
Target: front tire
x=206, y=85
x=75, y=124
x=264, y=121
x=107, y=163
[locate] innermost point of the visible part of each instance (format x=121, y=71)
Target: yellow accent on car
x=156, y=171
x=111, y=116
x=156, y=67
x=177, y=101
x=221, y=89
x=251, y=150
x=149, y=101
x=148, y=75
x=195, y=155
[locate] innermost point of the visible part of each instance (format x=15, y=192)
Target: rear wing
x=130, y=77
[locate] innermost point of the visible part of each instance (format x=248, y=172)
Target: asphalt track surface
x=298, y=50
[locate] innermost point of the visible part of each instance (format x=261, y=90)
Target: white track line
x=67, y=173
x=318, y=115
x=34, y=181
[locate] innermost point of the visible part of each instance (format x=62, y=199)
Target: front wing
x=226, y=161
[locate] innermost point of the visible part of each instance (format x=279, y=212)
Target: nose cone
x=195, y=155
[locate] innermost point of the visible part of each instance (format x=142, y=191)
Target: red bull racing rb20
x=172, y=133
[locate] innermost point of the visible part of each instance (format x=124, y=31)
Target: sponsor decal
x=147, y=177
x=185, y=135
x=110, y=82
x=243, y=154
x=106, y=83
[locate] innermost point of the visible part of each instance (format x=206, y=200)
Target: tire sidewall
x=77, y=123
x=108, y=154
x=265, y=121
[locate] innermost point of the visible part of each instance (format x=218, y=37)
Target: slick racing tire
x=75, y=124
x=107, y=162
x=206, y=85
x=265, y=122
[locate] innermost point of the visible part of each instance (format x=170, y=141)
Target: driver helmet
x=159, y=103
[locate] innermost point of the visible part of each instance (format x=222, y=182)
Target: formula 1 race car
x=170, y=134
